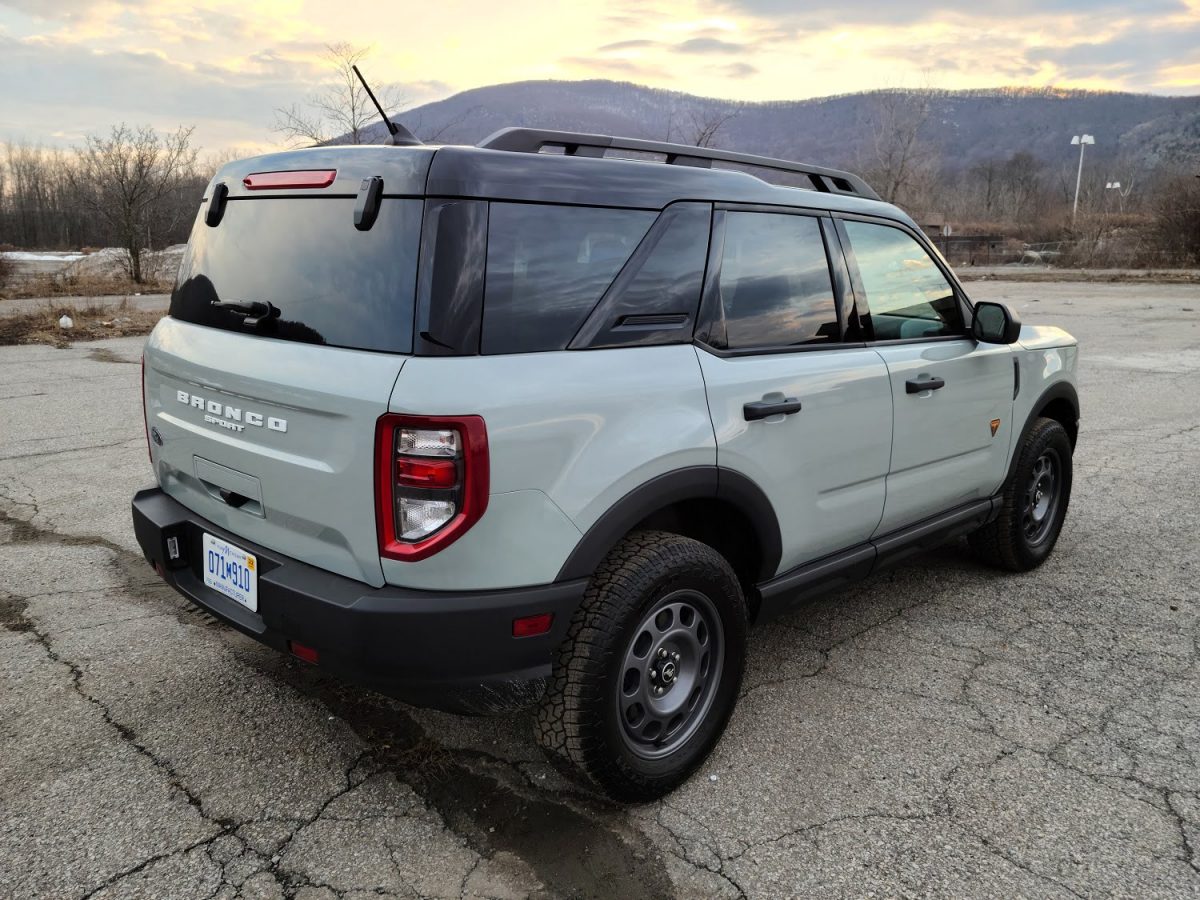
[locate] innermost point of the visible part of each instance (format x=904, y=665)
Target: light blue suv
x=554, y=419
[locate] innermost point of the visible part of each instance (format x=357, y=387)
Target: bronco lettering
x=233, y=415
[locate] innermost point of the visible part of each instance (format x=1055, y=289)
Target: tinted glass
x=450, y=280
x=654, y=301
x=331, y=283
x=908, y=295
x=775, y=283
x=547, y=267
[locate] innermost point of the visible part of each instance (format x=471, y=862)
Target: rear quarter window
x=547, y=267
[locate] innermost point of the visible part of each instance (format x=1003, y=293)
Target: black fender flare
x=691, y=483
x=1060, y=390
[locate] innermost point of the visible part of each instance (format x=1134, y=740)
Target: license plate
x=231, y=571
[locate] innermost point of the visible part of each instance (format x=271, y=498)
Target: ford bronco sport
x=532, y=423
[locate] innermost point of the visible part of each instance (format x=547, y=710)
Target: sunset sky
x=69, y=67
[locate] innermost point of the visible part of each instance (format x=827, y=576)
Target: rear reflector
x=528, y=626
x=312, y=178
x=300, y=651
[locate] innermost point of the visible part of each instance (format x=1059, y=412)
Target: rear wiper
x=255, y=311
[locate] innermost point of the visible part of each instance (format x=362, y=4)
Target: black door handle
x=913, y=386
x=761, y=409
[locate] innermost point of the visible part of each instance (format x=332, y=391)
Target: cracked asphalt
x=942, y=730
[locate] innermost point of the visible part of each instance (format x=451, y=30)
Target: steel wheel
x=670, y=673
x=1042, y=497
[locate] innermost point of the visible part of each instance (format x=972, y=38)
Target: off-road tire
x=579, y=724
x=1004, y=542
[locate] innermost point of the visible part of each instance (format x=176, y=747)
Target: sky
x=69, y=68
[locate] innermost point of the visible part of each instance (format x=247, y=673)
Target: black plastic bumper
x=451, y=650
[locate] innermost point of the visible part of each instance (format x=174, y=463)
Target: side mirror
x=995, y=323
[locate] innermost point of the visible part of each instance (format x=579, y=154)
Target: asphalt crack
x=575, y=846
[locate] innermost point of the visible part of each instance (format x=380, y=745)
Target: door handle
x=762, y=409
x=915, y=386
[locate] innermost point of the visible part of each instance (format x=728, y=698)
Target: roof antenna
x=401, y=136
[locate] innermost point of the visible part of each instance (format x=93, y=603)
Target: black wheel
x=1034, y=503
x=650, y=670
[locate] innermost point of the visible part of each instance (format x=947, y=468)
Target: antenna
x=401, y=136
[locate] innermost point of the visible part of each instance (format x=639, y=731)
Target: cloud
x=873, y=11
x=74, y=66
x=1138, y=53
x=90, y=90
x=708, y=45
x=620, y=68
x=65, y=10
x=638, y=44
x=739, y=70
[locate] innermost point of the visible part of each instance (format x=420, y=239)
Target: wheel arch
x=1060, y=402
x=720, y=507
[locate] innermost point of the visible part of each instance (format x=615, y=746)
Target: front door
x=952, y=396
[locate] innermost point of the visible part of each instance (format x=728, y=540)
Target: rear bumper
x=446, y=649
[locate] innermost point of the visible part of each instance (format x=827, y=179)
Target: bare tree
x=707, y=124
x=900, y=162
x=699, y=126
x=340, y=110
x=1176, y=211
x=126, y=179
x=429, y=133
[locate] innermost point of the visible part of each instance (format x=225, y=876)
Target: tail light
x=431, y=482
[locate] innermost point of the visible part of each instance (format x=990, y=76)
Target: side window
x=775, y=286
x=907, y=293
x=654, y=299
x=547, y=266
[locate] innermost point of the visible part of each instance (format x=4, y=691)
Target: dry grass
x=76, y=284
x=1044, y=274
x=91, y=323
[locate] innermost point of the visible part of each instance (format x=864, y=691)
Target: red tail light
x=431, y=482
x=314, y=178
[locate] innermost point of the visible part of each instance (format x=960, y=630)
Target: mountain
x=964, y=127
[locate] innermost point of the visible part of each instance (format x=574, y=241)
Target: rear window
x=331, y=283
x=547, y=267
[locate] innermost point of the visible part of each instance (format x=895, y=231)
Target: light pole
x=1121, y=192
x=1082, y=141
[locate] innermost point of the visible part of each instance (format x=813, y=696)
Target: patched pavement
x=941, y=730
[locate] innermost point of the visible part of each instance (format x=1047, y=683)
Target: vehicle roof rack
x=533, y=140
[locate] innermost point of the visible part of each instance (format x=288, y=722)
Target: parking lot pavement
x=941, y=730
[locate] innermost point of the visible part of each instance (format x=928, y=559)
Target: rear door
x=952, y=396
x=287, y=330
x=804, y=415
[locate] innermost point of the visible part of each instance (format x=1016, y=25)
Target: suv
x=528, y=423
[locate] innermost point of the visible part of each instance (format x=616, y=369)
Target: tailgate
x=290, y=321
x=278, y=446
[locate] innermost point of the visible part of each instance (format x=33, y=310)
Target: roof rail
x=532, y=140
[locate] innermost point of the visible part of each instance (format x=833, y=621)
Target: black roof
x=513, y=165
